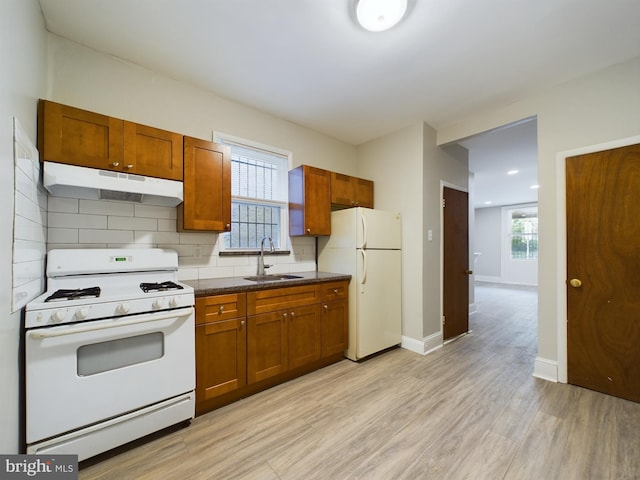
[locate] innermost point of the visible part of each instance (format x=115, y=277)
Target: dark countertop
x=216, y=286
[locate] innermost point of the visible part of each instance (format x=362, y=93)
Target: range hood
x=62, y=180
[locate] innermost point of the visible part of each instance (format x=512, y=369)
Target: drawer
x=334, y=291
x=220, y=307
x=263, y=301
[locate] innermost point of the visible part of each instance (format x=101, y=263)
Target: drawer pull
x=221, y=309
x=335, y=290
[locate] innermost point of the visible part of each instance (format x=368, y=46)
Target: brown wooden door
x=364, y=192
x=335, y=327
x=221, y=358
x=304, y=335
x=603, y=264
x=309, y=201
x=456, y=263
x=79, y=137
x=207, y=186
x=152, y=152
x=266, y=346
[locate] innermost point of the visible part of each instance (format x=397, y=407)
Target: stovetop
x=133, y=282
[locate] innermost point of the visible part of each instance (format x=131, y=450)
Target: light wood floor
x=471, y=410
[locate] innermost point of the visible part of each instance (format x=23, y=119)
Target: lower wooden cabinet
x=246, y=342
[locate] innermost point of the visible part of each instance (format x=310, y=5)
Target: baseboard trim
x=487, y=278
x=546, y=369
x=425, y=346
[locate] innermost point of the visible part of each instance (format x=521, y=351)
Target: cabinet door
x=304, y=334
x=266, y=346
x=335, y=327
x=220, y=307
x=207, y=186
x=220, y=358
x=78, y=137
x=309, y=201
x=263, y=301
x=342, y=191
x=152, y=152
x=363, y=192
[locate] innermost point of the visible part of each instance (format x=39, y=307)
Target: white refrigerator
x=367, y=244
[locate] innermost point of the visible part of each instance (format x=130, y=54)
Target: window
x=524, y=233
x=258, y=197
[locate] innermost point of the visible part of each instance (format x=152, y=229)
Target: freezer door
x=377, y=229
x=378, y=297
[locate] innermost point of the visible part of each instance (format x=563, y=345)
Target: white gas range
x=109, y=350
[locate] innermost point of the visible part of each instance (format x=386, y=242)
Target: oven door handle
x=154, y=317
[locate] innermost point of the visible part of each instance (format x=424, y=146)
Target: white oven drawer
x=77, y=375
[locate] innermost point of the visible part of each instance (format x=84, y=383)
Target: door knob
x=469, y=272
x=575, y=283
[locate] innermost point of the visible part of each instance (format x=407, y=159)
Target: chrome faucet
x=261, y=265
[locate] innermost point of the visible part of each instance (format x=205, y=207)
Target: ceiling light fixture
x=512, y=172
x=380, y=15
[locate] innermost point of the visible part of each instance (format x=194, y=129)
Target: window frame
x=284, y=248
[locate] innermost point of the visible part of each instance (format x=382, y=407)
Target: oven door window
x=113, y=354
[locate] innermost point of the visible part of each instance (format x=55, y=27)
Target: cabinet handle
x=285, y=315
x=221, y=309
x=335, y=290
x=308, y=230
x=129, y=167
x=115, y=164
x=242, y=323
x=228, y=226
x=293, y=314
x=326, y=307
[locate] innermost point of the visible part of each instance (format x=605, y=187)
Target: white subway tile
x=105, y=207
x=105, y=236
x=156, y=237
x=28, y=251
x=198, y=238
x=152, y=211
x=131, y=223
x=68, y=220
x=63, y=235
x=166, y=225
x=63, y=204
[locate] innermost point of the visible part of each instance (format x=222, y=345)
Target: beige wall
x=595, y=109
x=98, y=82
x=23, y=59
x=408, y=167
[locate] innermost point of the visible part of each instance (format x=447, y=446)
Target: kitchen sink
x=271, y=277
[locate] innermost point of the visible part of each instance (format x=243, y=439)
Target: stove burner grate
x=74, y=294
x=156, y=287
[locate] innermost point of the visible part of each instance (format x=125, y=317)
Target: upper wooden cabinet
x=79, y=137
x=347, y=191
x=151, y=151
x=309, y=201
x=207, y=186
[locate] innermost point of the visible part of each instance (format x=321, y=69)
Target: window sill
x=242, y=253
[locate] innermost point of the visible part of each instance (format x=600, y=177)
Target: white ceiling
x=309, y=62
x=493, y=154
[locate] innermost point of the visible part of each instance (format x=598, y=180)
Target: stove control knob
x=82, y=313
x=173, y=302
x=59, y=315
x=123, y=308
x=158, y=303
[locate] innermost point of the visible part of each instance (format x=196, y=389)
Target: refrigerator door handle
x=363, y=277
x=364, y=232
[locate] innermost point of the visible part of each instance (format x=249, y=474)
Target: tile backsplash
x=77, y=223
